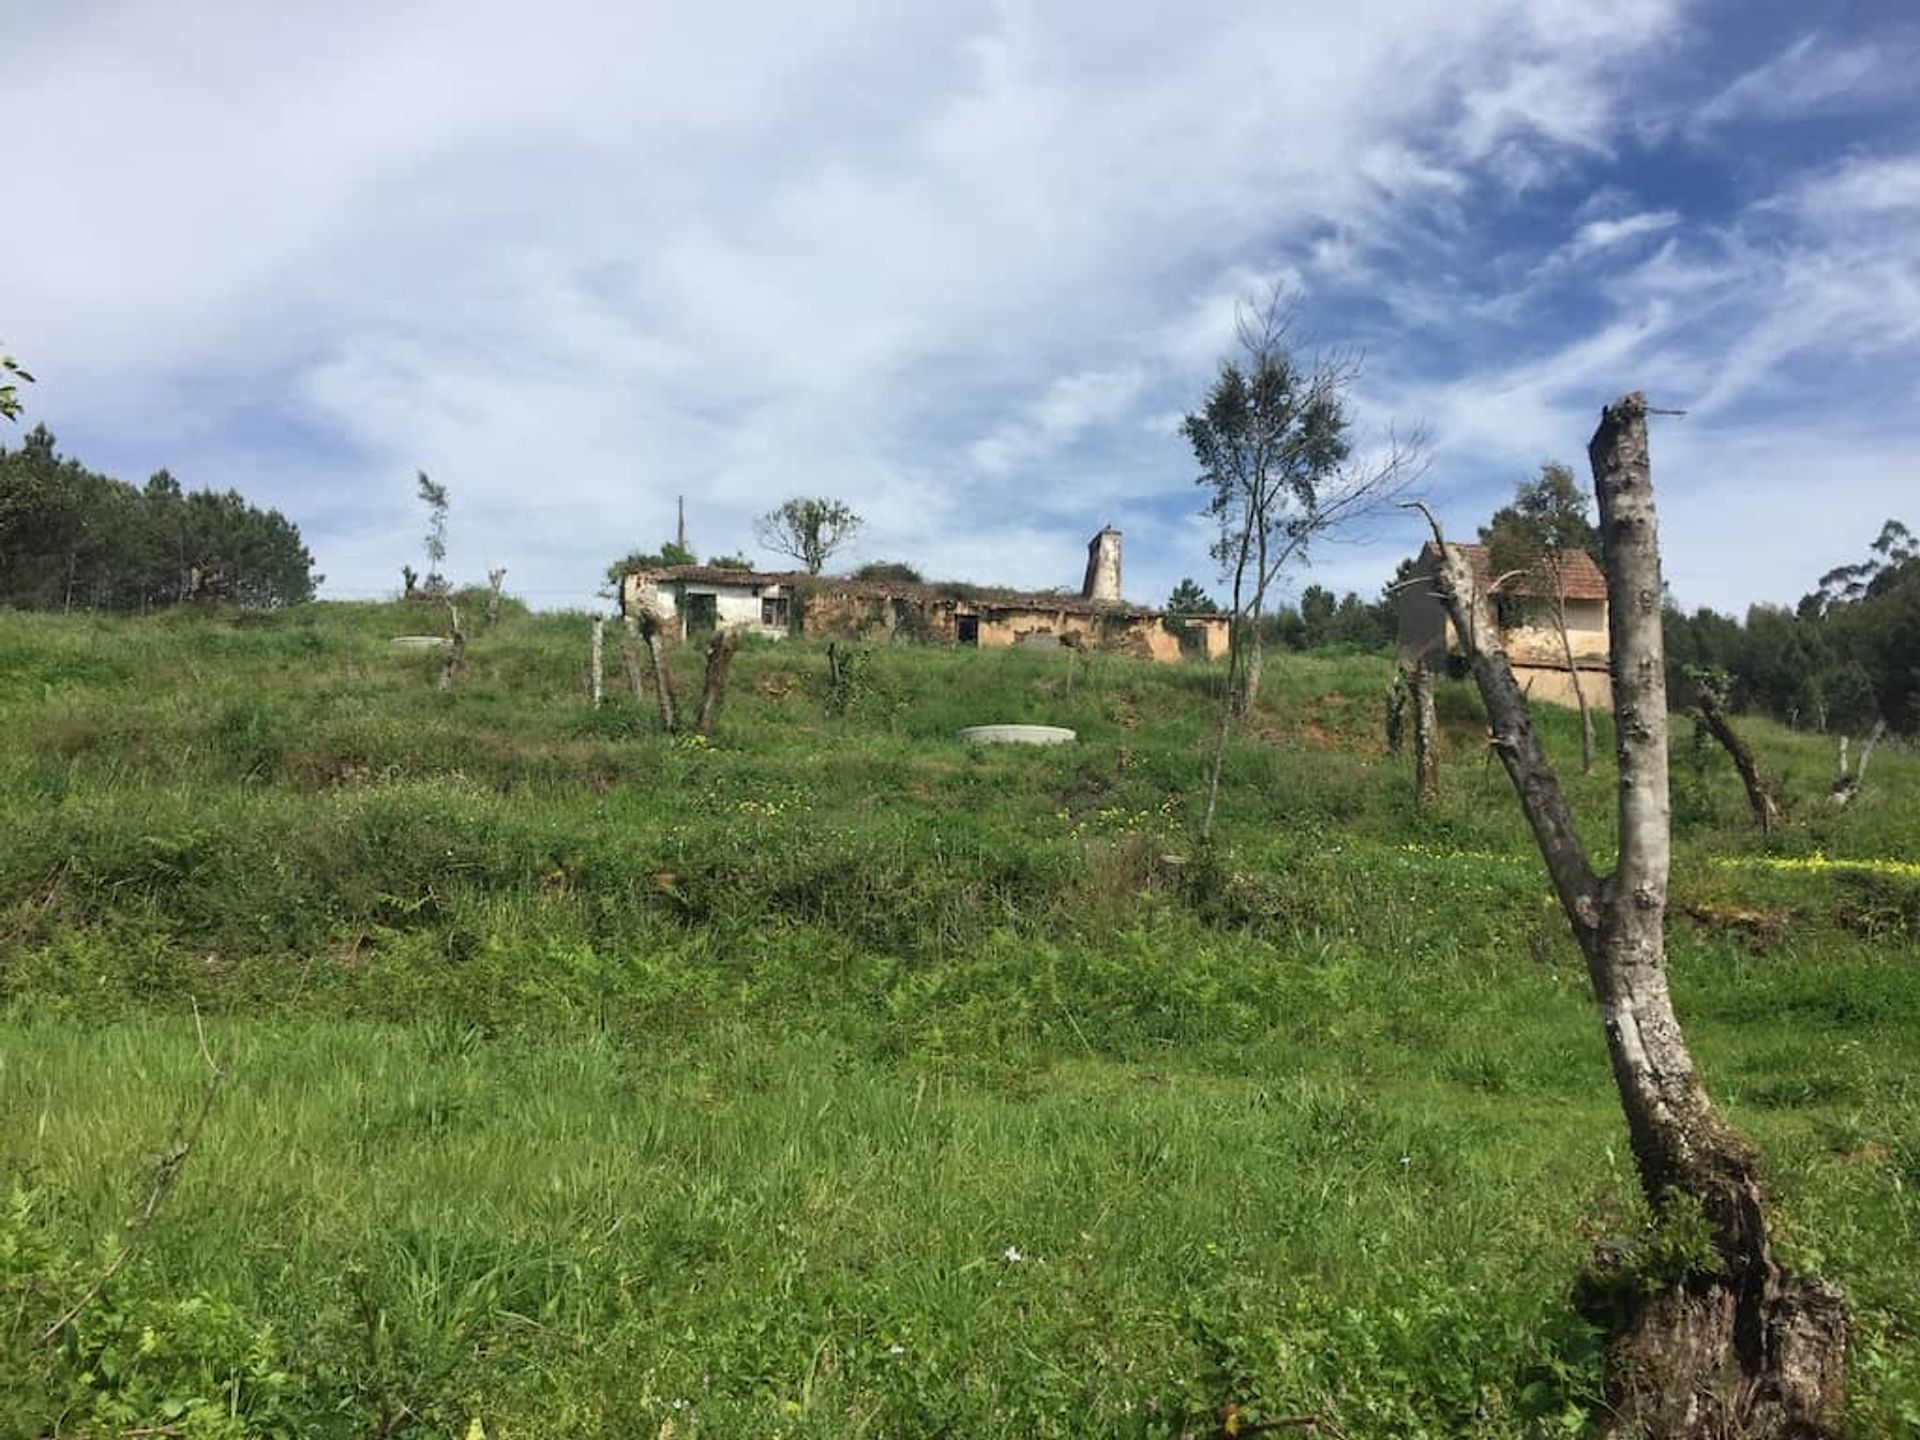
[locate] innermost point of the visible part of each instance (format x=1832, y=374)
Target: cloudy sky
x=963, y=264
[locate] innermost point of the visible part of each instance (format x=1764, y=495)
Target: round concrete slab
x=419, y=642
x=1017, y=735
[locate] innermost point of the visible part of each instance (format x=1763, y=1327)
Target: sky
x=963, y=266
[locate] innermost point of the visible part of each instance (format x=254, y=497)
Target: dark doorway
x=703, y=613
x=966, y=629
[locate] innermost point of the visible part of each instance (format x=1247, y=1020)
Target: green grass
x=590, y=1082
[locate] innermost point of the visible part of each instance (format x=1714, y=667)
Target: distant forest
x=73, y=539
x=1846, y=656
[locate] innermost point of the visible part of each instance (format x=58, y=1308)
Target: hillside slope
x=832, y=1078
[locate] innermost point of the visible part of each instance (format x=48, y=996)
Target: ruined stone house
x=696, y=598
x=1524, y=607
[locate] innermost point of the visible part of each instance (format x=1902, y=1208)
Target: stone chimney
x=1103, y=568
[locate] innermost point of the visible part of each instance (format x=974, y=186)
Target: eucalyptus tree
x=1275, y=449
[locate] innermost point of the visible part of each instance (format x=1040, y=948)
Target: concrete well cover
x=419, y=642
x=1017, y=735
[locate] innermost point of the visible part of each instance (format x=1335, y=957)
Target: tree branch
x=1513, y=737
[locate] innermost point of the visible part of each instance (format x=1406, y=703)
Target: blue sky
x=963, y=266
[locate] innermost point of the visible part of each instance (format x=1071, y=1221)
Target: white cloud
x=1598, y=235
x=1071, y=404
x=962, y=266
x=1856, y=188
x=1810, y=76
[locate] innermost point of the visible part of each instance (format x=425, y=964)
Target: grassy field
x=829, y=1079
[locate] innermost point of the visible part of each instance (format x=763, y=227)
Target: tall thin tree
x=434, y=497
x=1274, y=447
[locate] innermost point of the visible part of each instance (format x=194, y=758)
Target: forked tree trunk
x=1426, y=748
x=1760, y=798
x=1846, y=786
x=1739, y=1347
x=719, y=663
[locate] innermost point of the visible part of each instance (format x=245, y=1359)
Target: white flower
x=1013, y=1255
x=896, y=1348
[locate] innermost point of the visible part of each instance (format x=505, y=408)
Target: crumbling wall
x=1553, y=684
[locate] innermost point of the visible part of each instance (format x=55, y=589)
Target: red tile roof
x=1580, y=578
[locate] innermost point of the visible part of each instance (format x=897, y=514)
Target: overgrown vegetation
x=824, y=1078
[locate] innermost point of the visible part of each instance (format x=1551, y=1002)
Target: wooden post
x=1426, y=742
x=595, y=658
x=456, y=649
x=630, y=656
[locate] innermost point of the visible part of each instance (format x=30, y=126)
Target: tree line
x=1846, y=657
x=74, y=539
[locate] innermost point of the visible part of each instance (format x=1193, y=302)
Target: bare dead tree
x=456, y=661
x=720, y=652
x=495, y=579
x=1736, y=1346
x=1847, y=785
x=1760, y=794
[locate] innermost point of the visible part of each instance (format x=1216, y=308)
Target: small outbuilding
x=694, y=599
x=1524, y=604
